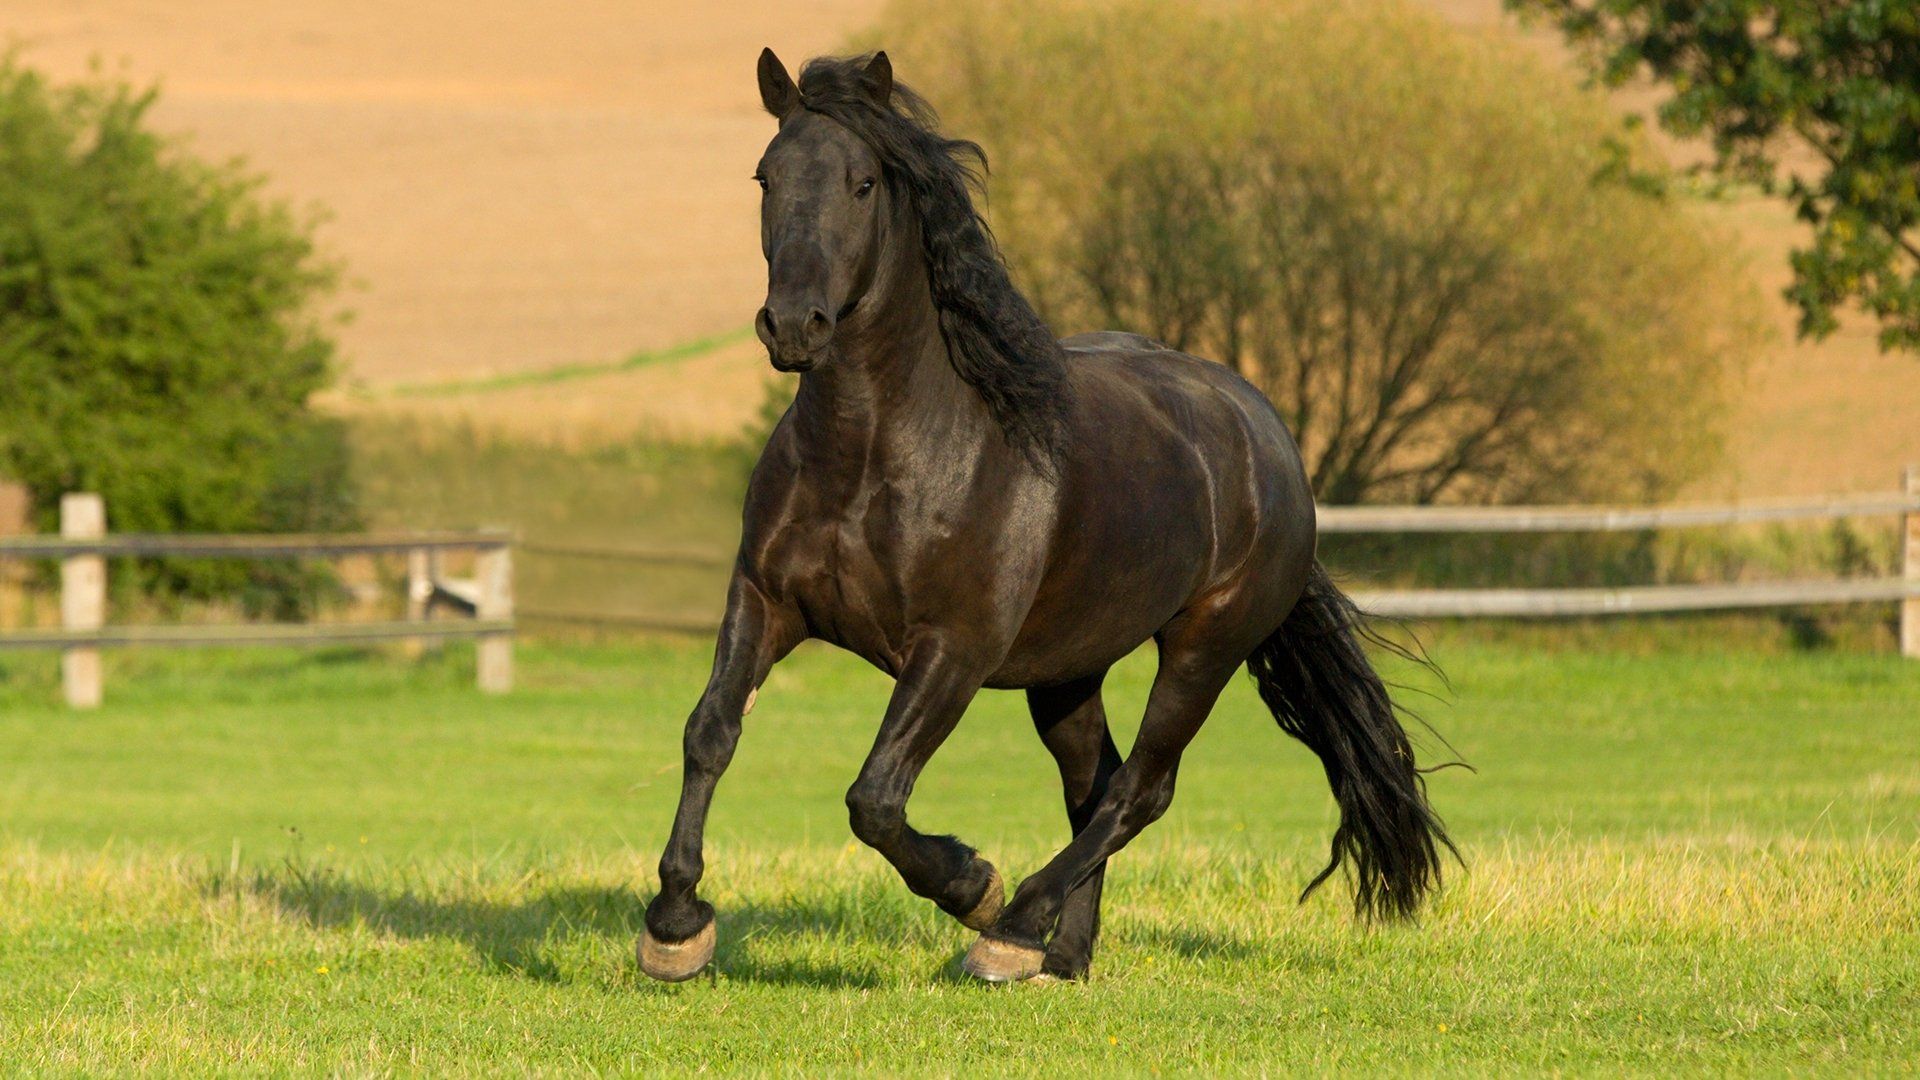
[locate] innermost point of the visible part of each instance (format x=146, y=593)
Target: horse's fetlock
x=675, y=916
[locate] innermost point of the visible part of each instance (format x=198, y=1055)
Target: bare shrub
x=1418, y=242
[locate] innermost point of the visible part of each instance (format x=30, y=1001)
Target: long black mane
x=997, y=342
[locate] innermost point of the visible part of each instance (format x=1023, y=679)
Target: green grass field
x=350, y=862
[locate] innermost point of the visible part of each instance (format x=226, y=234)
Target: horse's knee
x=1147, y=803
x=875, y=814
x=710, y=739
x=1162, y=796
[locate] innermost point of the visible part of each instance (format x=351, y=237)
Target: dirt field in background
x=512, y=185
x=515, y=186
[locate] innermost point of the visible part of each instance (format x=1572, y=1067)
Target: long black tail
x=1314, y=674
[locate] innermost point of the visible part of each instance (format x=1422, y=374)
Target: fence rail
x=84, y=546
x=1644, y=599
x=244, y=546
x=1530, y=519
x=253, y=634
x=1507, y=602
x=609, y=553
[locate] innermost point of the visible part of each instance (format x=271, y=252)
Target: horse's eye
x=761, y=180
x=865, y=188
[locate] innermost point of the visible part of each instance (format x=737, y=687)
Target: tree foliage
x=1404, y=235
x=1819, y=96
x=158, y=341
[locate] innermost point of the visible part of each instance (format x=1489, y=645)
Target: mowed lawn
x=353, y=862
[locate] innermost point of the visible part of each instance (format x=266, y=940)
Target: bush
x=1422, y=245
x=158, y=336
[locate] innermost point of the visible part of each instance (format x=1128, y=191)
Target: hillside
x=517, y=187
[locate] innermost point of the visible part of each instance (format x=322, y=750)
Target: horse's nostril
x=765, y=321
x=819, y=328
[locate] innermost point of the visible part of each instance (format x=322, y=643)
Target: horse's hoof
x=996, y=961
x=676, y=961
x=991, y=901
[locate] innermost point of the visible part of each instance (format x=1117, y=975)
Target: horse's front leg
x=932, y=692
x=756, y=633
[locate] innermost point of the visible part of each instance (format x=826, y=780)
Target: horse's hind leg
x=1192, y=674
x=1073, y=724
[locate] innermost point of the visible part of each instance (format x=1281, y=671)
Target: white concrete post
x=1910, y=570
x=83, y=597
x=493, y=571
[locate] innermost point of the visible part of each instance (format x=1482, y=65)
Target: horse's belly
x=1108, y=597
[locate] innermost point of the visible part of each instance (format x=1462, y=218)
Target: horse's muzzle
x=796, y=335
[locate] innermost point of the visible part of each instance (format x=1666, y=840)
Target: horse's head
x=822, y=217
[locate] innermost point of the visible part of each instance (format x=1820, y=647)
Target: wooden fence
x=84, y=546
x=486, y=601
x=1545, y=603
x=1502, y=603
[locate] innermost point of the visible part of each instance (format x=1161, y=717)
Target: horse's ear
x=880, y=79
x=777, y=91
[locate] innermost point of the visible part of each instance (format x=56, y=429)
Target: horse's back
x=1095, y=341
x=1185, y=391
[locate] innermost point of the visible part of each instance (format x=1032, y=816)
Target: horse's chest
x=848, y=577
x=871, y=566
x=848, y=574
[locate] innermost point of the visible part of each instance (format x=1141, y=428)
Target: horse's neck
x=889, y=394
x=895, y=391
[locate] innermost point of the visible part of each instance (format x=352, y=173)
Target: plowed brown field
x=516, y=186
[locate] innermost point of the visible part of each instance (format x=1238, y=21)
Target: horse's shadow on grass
x=519, y=937
x=522, y=936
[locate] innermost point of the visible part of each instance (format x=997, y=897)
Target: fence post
x=83, y=597
x=1910, y=570
x=493, y=571
x=419, y=595
x=16, y=509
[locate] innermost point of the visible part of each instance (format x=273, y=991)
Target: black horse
x=965, y=501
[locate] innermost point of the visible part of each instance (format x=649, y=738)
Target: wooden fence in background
x=84, y=546
x=1903, y=589
x=487, y=600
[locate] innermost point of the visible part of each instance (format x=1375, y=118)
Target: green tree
x=1820, y=98
x=1408, y=237
x=159, y=341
